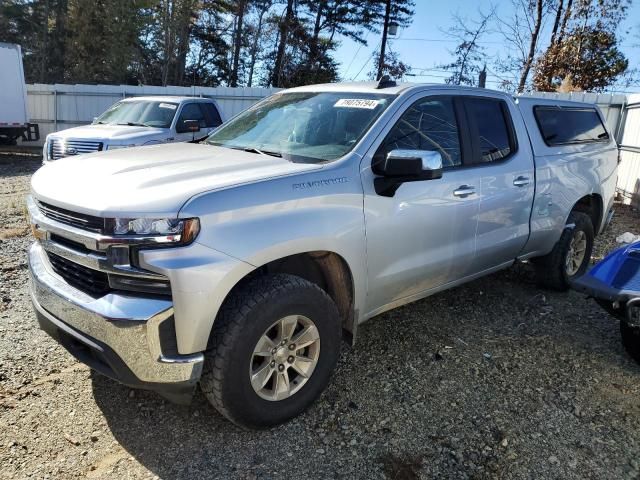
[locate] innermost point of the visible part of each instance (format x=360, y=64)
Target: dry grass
x=7, y=233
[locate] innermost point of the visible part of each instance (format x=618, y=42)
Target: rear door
x=504, y=163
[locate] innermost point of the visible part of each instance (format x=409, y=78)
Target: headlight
x=159, y=230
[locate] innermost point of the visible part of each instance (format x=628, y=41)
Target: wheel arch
x=327, y=269
x=593, y=206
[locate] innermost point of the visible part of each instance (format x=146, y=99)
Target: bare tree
x=521, y=33
x=533, y=43
x=469, y=54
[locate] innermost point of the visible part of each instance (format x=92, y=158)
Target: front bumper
x=120, y=335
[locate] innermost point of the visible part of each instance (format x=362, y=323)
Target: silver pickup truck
x=241, y=262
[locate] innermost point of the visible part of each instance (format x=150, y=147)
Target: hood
x=117, y=133
x=151, y=181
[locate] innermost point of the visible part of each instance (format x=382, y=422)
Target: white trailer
x=14, y=119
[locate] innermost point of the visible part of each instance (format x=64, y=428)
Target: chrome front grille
x=59, y=148
x=75, y=219
x=92, y=282
x=83, y=261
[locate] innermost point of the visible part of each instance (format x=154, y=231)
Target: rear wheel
x=275, y=345
x=570, y=256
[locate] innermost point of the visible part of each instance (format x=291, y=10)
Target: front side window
x=142, y=113
x=493, y=137
x=192, y=111
x=309, y=127
x=428, y=124
x=567, y=125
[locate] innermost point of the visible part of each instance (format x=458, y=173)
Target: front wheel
x=275, y=345
x=570, y=256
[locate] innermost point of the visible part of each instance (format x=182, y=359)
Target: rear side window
x=563, y=126
x=494, y=138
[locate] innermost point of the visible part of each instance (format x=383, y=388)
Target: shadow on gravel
x=17, y=164
x=536, y=348
x=168, y=439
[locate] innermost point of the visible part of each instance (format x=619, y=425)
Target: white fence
x=57, y=107
x=629, y=170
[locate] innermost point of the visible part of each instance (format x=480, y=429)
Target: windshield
x=308, y=127
x=142, y=113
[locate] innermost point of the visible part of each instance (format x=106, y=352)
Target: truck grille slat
x=63, y=148
x=75, y=219
x=91, y=281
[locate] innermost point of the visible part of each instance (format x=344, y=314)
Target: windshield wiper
x=262, y=152
x=133, y=124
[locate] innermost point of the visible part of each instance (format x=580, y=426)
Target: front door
x=423, y=236
x=191, y=111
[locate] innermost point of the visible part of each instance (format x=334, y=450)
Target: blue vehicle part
x=615, y=284
x=616, y=278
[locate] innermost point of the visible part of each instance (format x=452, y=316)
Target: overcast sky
x=423, y=45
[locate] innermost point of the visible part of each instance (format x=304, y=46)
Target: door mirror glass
x=411, y=165
x=188, y=126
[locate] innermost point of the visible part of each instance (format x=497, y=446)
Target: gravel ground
x=495, y=379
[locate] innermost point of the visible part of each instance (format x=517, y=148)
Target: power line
x=356, y=55
x=375, y=50
x=481, y=42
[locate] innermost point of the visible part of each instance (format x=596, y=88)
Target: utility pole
x=385, y=30
x=482, y=78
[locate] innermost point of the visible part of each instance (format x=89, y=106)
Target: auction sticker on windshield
x=168, y=105
x=357, y=103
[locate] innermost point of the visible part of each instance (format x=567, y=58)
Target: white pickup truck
x=137, y=121
x=239, y=263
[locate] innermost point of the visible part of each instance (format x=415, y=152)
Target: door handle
x=464, y=191
x=521, y=181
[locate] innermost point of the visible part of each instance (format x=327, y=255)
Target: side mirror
x=401, y=166
x=188, y=126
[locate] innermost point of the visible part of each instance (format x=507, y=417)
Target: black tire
x=630, y=340
x=243, y=319
x=551, y=269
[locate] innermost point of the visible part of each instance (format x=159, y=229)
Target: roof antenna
x=385, y=82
